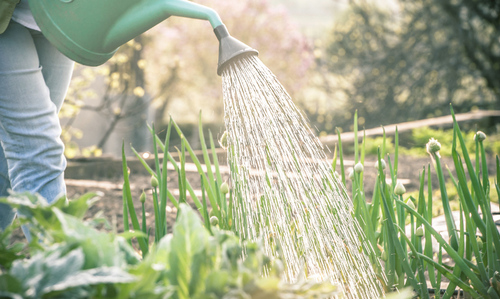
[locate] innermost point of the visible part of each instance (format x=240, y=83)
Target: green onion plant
x=213, y=187
x=400, y=229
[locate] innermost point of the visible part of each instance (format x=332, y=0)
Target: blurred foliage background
x=392, y=61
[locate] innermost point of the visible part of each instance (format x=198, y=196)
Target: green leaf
x=208, y=186
x=46, y=269
x=420, y=268
x=128, y=200
x=341, y=157
x=103, y=275
x=189, y=238
x=396, y=151
x=217, y=283
x=163, y=183
x=450, y=222
x=205, y=215
x=206, y=157
x=78, y=207
x=132, y=234
x=481, y=196
x=100, y=248
x=176, y=167
x=216, y=160
x=33, y=208
x=498, y=170
x=465, y=286
x=391, y=225
x=9, y=252
x=11, y=284
x=334, y=160
x=356, y=142
x=475, y=281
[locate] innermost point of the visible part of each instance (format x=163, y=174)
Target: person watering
x=34, y=78
x=35, y=71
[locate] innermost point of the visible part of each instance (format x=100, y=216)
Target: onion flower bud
x=224, y=188
x=382, y=161
x=154, y=182
x=433, y=146
x=383, y=256
x=142, y=198
x=214, y=220
x=399, y=189
x=479, y=243
x=480, y=136
x=420, y=231
x=350, y=173
x=358, y=168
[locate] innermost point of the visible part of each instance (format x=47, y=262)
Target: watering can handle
x=147, y=14
x=183, y=8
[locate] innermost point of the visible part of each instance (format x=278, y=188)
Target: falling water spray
x=287, y=195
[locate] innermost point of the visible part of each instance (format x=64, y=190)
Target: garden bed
x=103, y=176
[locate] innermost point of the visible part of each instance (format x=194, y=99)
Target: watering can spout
x=230, y=49
x=188, y=9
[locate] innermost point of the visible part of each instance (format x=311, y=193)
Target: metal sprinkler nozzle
x=230, y=49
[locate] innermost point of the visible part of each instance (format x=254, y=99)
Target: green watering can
x=91, y=31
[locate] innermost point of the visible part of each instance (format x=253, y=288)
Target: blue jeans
x=34, y=78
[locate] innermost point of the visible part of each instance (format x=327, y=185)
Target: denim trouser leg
x=6, y=213
x=34, y=78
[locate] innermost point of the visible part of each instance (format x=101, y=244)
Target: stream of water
x=285, y=190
